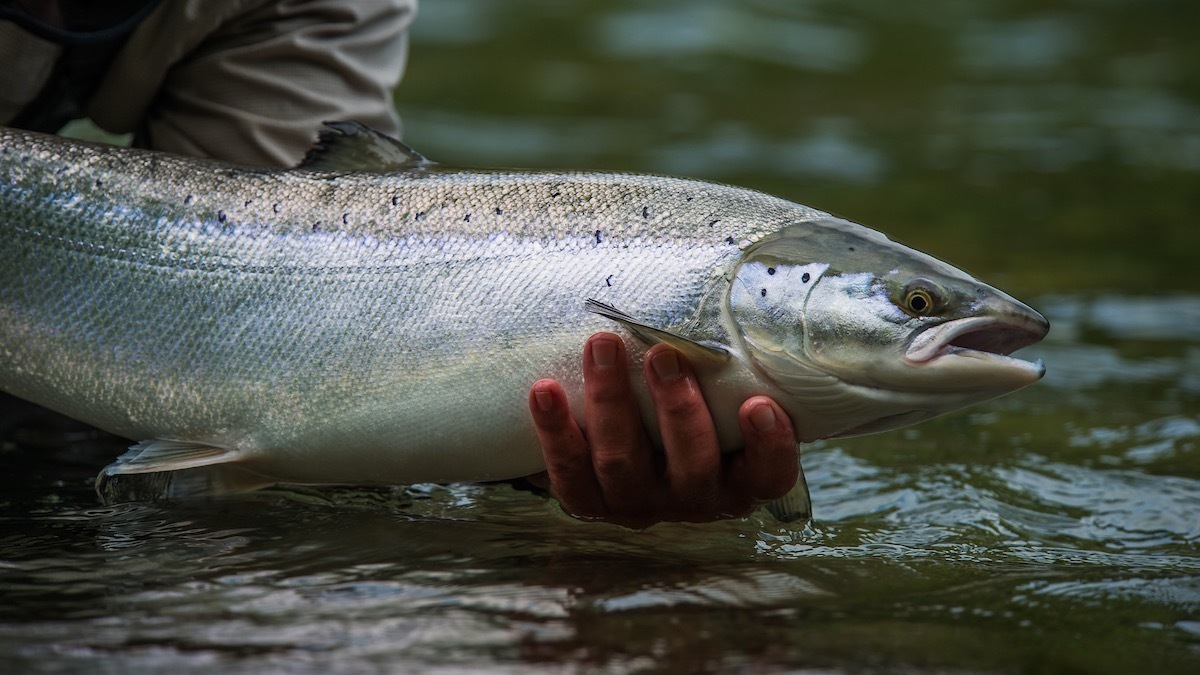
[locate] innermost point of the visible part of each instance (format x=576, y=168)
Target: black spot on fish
x=764, y=293
x=608, y=280
x=689, y=199
x=729, y=240
x=99, y=183
x=275, y=207
x=467, y=218
x=714, y=222
x=316, y=225
x=645, y=211
x=555, y=194
x=420, y=215
x=597, y=236
x=220, y=216
x=395, y=200
x=187, y=199
x=345, y=218
x=498, y=211
x=246, y=204
x=804, y=278
x=851, y=248
x=771, y=270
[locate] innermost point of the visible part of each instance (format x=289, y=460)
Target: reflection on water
x=1050, y=148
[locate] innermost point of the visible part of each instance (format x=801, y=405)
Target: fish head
x=856, y=333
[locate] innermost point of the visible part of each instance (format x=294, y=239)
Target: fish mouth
x=990, y=341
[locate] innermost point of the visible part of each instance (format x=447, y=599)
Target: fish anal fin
x=170, y=455
x=351, y=146
x=698, y=353
x=796, y=505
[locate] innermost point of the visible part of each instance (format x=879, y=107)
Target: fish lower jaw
x=973, y=363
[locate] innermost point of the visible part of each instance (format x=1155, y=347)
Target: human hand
x=614, y=474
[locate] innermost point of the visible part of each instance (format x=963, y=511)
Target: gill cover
x=768, y=302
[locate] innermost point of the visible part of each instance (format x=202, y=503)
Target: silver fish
x=371, y=317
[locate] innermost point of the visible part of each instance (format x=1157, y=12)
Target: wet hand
x=613, y=473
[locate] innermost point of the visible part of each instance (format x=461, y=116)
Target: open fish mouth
x=984, y=338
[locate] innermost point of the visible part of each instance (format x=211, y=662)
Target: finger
x=689, y=437
x=564, y=451
x=621, y=455
x=770, y=465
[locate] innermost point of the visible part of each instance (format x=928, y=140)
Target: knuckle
x=697, y=475
x=565, y=466
x=610, y=394
x=613, y=463
x=685, y=404
x=699, y=495
x=557, y=439
x=607, y=387
x=552, y=429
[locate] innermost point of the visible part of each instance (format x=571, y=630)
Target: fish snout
x=1015, y=325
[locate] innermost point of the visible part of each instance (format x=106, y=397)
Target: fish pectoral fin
x=351, y=146
x=168, y=455
x=796, y=505
x=698, y=353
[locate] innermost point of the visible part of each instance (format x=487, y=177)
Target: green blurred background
x=1049, y=146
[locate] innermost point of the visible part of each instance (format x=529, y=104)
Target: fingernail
x=762, y=418
x=545, y=401
x=604, y=353
x=665, y=364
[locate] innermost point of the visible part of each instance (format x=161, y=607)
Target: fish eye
x=919, y=299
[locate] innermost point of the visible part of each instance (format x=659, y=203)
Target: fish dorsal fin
x=350, y=146
x=698, y=353
x=168, y=455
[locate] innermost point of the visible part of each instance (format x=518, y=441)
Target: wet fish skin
x=383, y=325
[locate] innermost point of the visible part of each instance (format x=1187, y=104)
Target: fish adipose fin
x=698, y=353
x=795, y=506
x=350, y=146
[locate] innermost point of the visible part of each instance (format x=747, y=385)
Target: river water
x=1051, y=148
